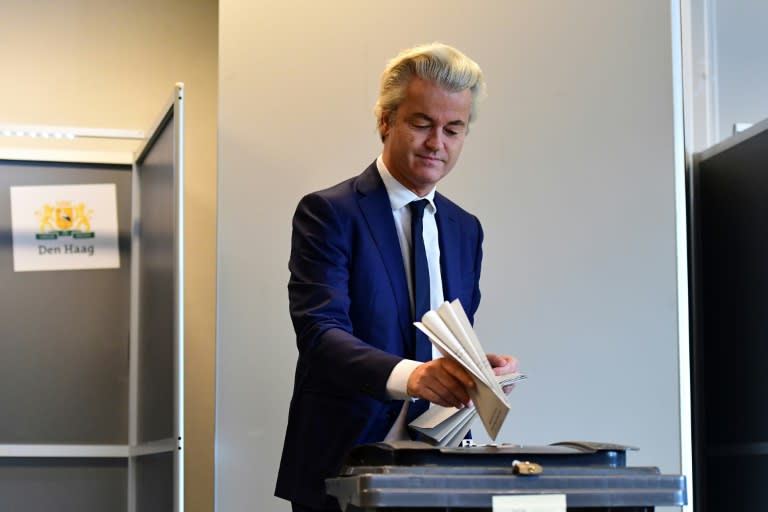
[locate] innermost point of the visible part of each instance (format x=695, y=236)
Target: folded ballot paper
x=449, y=330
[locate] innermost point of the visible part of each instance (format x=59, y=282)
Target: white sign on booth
x=64, y=227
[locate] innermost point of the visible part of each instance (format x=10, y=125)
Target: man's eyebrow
x=425, y=117
x=422, y=116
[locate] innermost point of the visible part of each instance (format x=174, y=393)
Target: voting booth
x=411, y=475
x=91, y=362
x=729, y=202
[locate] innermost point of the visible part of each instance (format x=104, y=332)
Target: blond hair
x=438, y=63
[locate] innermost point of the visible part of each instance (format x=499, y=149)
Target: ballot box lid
x=418, y=476
x=415, y=453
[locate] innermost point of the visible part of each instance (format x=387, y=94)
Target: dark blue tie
x=420, y=271
x=420, y=274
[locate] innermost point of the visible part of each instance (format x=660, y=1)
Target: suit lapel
x=449, y=237
x=376, y=208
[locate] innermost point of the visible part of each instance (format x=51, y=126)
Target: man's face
x=423, y=141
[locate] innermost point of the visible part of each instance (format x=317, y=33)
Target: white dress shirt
x=399, y=197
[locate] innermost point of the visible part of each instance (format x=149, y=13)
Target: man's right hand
x=441, y=381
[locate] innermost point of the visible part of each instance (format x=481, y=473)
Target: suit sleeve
x=330, y=355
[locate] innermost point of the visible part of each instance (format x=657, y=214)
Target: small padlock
x=526, y=468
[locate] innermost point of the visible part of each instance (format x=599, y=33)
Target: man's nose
x=435, y=139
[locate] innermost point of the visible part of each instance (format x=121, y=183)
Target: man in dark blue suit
x=351, y=293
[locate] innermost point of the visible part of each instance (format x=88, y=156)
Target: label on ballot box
x=529, y=503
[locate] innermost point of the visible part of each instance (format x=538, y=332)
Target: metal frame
x=174, y=109
x=64, y=450
x=680, y=18
x=178, y=105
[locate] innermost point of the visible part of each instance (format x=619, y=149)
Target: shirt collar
x=399, y=195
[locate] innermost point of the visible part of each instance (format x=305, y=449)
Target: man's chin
x=426, y=179
x=429, y=168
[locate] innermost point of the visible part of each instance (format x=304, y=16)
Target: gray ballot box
x=411, y=475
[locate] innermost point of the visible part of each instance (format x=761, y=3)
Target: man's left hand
x=502, y=365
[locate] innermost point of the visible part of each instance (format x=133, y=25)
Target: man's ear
x=387, y=118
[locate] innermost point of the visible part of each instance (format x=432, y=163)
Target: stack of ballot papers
x=449, y=330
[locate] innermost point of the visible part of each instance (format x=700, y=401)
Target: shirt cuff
x=397, y=383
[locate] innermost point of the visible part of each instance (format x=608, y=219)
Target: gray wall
x=570, y=166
